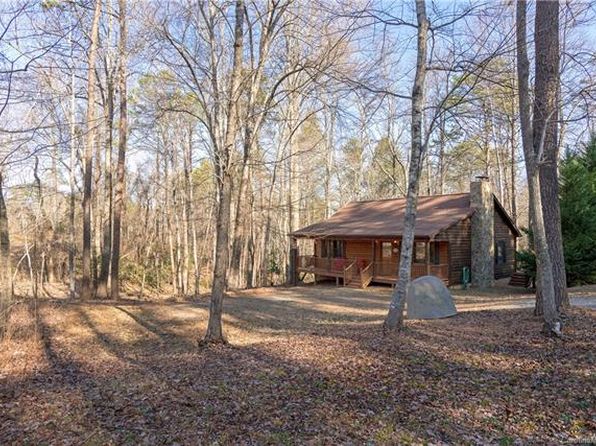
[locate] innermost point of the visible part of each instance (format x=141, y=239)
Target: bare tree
x=545, y=122
x=5, y=269
x=533, y=145
x=86, y=283
x=223, y=156
x=122, y=146
x=394, y=319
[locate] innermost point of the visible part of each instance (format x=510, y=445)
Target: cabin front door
x=386, y=258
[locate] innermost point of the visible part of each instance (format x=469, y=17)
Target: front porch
x=360, y=272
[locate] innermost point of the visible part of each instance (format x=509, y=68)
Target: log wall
x=503, y=233
x=459, y=238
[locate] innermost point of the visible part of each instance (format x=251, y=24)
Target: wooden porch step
x=355, y=284
x=519, y=279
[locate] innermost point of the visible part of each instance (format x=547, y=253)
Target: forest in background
x=274, y=113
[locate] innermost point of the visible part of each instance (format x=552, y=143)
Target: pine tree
x=578, y=214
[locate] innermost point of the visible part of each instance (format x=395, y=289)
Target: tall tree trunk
x=513, y=144
x=441, y=160
x=72, y=249
x=187, y=211
x=5, y=270
x=191, y=224
x=293, y=194
x=106, y=253
x=122, y=144
x=238, y=231
x=546, y=108
x=51, y=267
x=37, y=242
x=253, y=119
x=544, y=282
x=214, y=332
x=169, y=226
x=267, y=251
x=178, y=250
x=395, y=316
x=86, y=291
x=329, y=140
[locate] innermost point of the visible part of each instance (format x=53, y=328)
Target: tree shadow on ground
x=332, y=382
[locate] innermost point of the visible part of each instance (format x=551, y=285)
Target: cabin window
x=500, y=253
x=333, y=248
x=338, y=248
x=386, y=250
x=420, y=252
x=435, y=253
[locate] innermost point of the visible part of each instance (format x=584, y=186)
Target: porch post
x=428, y=258
x=373, y=256
x=293, y=266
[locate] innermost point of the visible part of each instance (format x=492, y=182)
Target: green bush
x=578, y=214
x=578, y=218
x=526, y=258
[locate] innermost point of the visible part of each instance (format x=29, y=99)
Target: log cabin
x=456, y=236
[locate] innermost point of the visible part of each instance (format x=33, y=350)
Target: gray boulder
x=429, y=298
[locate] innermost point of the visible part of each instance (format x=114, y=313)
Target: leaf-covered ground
x=305, y=366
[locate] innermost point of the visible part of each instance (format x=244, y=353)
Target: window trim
x=416, y=259
x=383, y=246
x=435, y=253
x=500, y=257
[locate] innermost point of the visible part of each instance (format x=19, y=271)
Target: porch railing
x=349, y=272
x=391, y=269
x=366, y=274
x=419, y=270
x=441, y=271
x=385, y=269
x=323, y=263
x=350, y=268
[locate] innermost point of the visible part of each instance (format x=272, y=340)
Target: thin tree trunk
x=238, y=230
x=106, y=254
x=5, y=273
x=293, y=198
x=86, y=291
x=51, y=267
x=214, y=332
x=201, y=253
x=441, y=161
x=38, y=270
x=253, y=120
x=178, y=250
x=513, y=168
x=267, y=234
x=169, y=226
x=329, y=139
x=191, y=215
x=122, y=145
x=187, y=210
x=512, y=136
x=394, y=320
x=72, y=249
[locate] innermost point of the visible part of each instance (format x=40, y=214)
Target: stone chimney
x=483, y=256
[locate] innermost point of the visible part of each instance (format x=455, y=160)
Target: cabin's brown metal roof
x=385, y=218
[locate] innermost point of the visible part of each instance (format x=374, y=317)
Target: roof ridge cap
x=403, y=198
